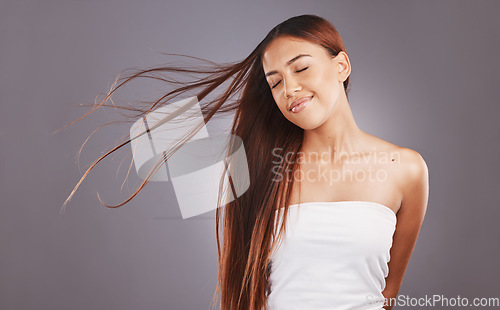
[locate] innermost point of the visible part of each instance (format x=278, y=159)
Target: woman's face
x=300, y=71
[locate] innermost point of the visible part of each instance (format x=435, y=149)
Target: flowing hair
x=248, y=222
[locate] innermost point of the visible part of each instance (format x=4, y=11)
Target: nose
x=290, y=87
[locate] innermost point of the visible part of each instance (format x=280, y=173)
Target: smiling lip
x=299, y=101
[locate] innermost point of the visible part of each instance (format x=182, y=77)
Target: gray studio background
x=425, y=76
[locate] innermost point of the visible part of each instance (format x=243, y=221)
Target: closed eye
x=295, y=71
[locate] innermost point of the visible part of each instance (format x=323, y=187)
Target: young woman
x=332, y=213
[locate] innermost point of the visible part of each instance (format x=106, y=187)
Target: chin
x=308, y=124
x=311, y=121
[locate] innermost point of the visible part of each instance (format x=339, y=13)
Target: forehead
x=284, y=48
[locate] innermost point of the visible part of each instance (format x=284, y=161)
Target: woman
x=308, y=233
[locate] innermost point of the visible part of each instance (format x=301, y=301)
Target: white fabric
x=334, y=255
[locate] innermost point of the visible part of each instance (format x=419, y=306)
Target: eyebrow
x=288, y=63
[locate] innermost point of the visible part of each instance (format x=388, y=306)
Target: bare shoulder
x=410, y=176
x=413, y=177
x=409, y=165
x=413, y=166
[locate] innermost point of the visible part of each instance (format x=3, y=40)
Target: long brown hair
x=248, y=222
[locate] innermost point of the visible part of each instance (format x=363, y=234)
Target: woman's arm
x=410, y=216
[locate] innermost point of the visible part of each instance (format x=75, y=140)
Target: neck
x=339, y=135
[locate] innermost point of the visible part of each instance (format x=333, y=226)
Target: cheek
x=327, y=85
x=279, y=104
x=280, y=100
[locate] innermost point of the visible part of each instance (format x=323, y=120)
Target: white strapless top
x=333, y=256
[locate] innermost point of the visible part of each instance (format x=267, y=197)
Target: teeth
x=295, y=107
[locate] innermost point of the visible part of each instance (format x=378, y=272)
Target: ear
x=344, y=65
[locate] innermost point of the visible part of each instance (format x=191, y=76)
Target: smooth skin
x=394, y=176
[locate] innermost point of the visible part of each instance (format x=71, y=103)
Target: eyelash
x=295, y=71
